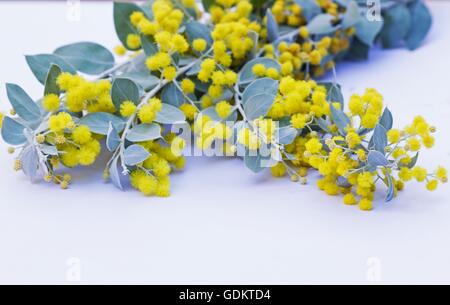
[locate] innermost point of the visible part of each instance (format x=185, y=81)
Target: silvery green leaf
x=310, y=8
x=13, y=132
x=135, y=154
x=98, y=122
x=196, y=30
x=195, y=69
x=391, y=190
x=207, y=4
x=358, y=51
x=334, y=93
x=50, y=82
x=143, y=78
x=387, y=120
x=397, y=25
x=112, y=138
x=246, y=75
x=22, y=103
x=421, y=24
x=40, y=65
x=352, y=15
x=30, y=162
x=272, y=27
x=287, y=135
x=260, y=86
x=413, y=161
x=323, y=124
x=170, y=115
x=149, y=47
x=254, y=163
x=341, y=120
x=144, y=132
x=122, y=23
x=258, y=105
x=367, y=30
x=377, y=159
x=124, y=89
x=87, y=57
x=379, y=139
x=49, y=149
x=290, y=157
x=172, y=95
x=255, y=38
x=322, y=24
x=114, y=174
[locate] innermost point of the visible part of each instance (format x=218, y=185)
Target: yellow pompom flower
x=298, y=121
x=120, y=50
x=366, y=204
x=81, y=135
x=188, y=86
x=51, y=102
x=133, y=41
x=414, y=144
x=170, y=73
x=59, y=122
x=304, y=32
x=419, y=173
x=350, y=199
x=259, y=70
x=136, y=17
x=441, y=174
x=314, y=146
x=272, y=73
x=127, y=109
x=394, y=135
x=432, y=185
x=369, y=121
x=279, y=170
x=147, y=114
x=223, y=109
x=189, y=111
x=199, y=45
x=405, y=174
x=180, y=44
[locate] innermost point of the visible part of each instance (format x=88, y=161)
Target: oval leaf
x=246, y=75
x=99, y=122
x=322, y=24
x=115, y=175
x=40, y=65
x=379, y=138
x=144, y=132
x=259, y=86
x=22, y=103
x=112, y=139
x=135, y=154
x=340, y=119
x=51, y=86
x=377, y=159
x=197, y=30
x=122, y=23
x=87, y=57
x=272, y=27
x=397, y=25
x=13, y=132
x=170, y=115
x=421, y=24
x=172, y=95
x=124, y=89
x=258, y=105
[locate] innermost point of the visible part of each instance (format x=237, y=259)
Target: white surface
x=223, y=224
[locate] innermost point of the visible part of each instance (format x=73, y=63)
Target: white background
x=223, y=224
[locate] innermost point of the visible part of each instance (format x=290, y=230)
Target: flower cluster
x=245, y=77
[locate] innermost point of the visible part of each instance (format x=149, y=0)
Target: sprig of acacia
x=246, y=77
